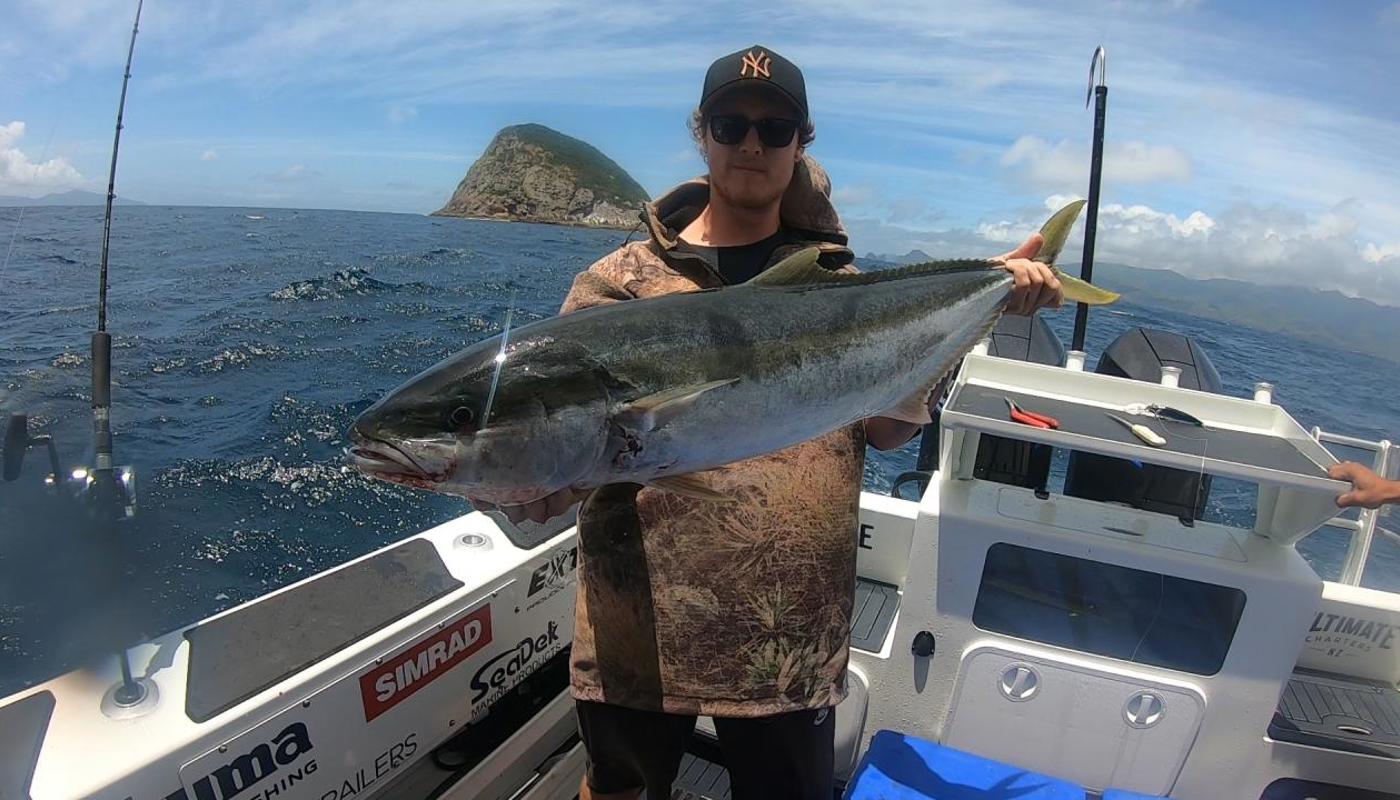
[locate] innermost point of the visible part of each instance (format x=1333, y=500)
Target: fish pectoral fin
x=654, y=411
x=689, y=486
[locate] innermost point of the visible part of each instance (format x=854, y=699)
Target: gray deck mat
x=1254, y=449
x=698, y=779
x=873, y=613
x=234, y=657
x=22, y=728
x=1313, y=705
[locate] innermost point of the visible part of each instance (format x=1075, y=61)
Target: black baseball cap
x=756, y=66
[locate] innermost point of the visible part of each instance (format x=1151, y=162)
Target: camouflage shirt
x=740, y=609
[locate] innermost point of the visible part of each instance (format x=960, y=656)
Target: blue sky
x=1251, y=140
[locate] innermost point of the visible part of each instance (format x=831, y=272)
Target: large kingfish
x=651, y=390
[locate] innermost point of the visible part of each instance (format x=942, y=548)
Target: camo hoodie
x=733, y=610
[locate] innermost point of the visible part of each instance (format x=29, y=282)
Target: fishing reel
x=109, y=493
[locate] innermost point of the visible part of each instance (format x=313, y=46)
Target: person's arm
x=592, y=287
x=1368, y=489
x=887, y=433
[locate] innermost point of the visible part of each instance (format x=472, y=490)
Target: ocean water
x=246, y=340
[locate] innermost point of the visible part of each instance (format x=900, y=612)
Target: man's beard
x=749, y=202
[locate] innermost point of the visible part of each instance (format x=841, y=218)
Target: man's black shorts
x=784, y=757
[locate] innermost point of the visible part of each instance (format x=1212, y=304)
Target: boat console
x=1115, y=647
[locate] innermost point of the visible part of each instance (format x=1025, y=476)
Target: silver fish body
x=646, y=390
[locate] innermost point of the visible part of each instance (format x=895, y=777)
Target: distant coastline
x=72, y=197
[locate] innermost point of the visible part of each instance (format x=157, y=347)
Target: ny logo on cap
x=755, y=65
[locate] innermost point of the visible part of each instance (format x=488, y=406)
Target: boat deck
x=700, y=780
x=1339, y=713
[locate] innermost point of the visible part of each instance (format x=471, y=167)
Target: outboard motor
x=1012, y=461
x=1140, y=354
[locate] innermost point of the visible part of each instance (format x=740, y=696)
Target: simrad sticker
x=395, y=680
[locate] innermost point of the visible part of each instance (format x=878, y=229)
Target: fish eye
x=460, y=417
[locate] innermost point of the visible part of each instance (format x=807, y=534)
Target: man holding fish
x=709, y=392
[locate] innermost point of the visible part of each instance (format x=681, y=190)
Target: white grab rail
x=1364, y=526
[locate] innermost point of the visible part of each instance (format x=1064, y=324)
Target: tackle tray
x=1243, y=439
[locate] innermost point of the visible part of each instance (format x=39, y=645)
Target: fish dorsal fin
x=799, y=269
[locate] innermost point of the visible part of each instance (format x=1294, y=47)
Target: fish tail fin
x=1081, y=291
x=1056, y=232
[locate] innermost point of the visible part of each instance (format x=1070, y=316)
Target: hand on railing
x=1368, y=489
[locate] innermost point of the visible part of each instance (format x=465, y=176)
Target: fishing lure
x=1141, y=431
x=1161, y=412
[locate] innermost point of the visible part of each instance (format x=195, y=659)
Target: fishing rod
x=101, y=340
x=110, y=492
x=1098, y=92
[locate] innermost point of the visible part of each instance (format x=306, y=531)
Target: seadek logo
x=265, y=760
x=506, y=669
x=395, y=680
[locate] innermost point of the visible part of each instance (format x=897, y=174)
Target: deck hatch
x=1107, y=609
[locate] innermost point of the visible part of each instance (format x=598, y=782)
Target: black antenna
x=1098, y=92
x=108, y=494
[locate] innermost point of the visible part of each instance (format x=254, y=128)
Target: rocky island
x=531, y=173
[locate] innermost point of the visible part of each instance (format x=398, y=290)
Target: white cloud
x=399, y=114
x=854, y=194
x=22, y=175
x=1066, y=163
x=1378, y=253
x=209, y=155
x=1269, y=245
x=1390, y=15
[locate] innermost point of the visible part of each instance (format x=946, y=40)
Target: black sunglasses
x=732, y=128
